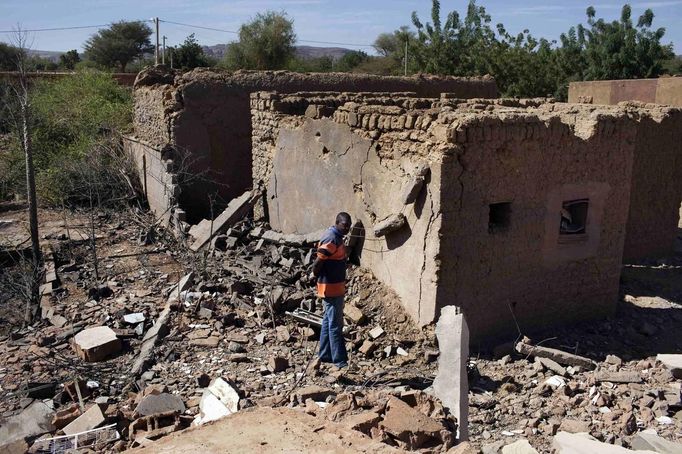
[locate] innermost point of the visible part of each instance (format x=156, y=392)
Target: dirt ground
x=268, y=430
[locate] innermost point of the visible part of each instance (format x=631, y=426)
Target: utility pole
x=406, y=41
x=163, y=55
x=171, y=56
x=156, y=49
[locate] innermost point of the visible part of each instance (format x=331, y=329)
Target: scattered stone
x=376, y=332
x=618, y=377
x=558, y=356
x=363, y=422
x=314, y=392
x=409, y=425
x=277, y=364
x=33, y=421
x=367, y=347
x=160, y=403
x=353, y=313
x=649, y=440
x=134, y=318
x=614, y=360
x=566, y=443
x=96, y=344
x=89, y=420
x=673, y=363
x=519, y=447
x=574, y=426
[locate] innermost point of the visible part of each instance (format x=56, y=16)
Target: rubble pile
x=149, y=349
x=166, y=339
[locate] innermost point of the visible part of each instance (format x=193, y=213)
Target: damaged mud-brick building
x=192, y=137
x=515, y=211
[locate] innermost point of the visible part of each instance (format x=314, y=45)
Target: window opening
x=574, y=217
x=499, y=217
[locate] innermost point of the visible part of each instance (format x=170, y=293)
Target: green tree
x=267, y=42
x=190, y=55
x=69, y=59
x=8, y=57
x=350, y=61
x=119, y=44
x=620, y=50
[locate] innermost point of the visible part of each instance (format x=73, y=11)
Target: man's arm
x=317, y=266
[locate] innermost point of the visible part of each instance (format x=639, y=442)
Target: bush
x=70, y=118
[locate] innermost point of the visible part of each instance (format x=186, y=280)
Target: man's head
x=343, y=222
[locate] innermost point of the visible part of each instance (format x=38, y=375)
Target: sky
x=352, y=23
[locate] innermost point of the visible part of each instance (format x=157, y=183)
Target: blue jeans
x=332, y=344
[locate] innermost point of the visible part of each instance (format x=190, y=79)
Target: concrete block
x=565, y=443
x=95, y=344
x=651, y=441
x=519, y=447
x=89, y=420
x=225, y=393
x=673, y=363
x=409, y=425
x=236, y=209
x=160, y=403
x=33, y=421
x=451, y=384
x=353, y=313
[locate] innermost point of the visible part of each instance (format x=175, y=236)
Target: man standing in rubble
x=330, y=270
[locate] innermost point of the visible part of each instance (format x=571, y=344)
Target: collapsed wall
x=319, y=154
x=487, y=231
x=202, y=118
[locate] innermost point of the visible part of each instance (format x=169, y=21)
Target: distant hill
x=305, y=52
x=46, y=54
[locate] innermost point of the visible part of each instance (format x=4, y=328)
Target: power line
x=222, y=30
x=236, y=33
x=58, y=28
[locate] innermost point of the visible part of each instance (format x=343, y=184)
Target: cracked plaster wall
x=529, y=153
x=204, y=116
x=535, y=160
x=316, y=165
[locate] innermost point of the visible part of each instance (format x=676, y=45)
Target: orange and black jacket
x=332, y=279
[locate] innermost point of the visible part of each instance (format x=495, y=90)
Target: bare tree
x=19, y=110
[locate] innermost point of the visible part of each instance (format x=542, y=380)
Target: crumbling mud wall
x=502, y=248
x=158, y=179
x=485, y=233
x=654, y=214
x=204, y=116
x=319, y=154
x=664, y=90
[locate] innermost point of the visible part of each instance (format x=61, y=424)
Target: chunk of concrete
x=89, y=420
x=672, y=363
x=409, y=425
x=218, y=400
x=651, y=441
x=559, y=356
x=451, y=385
x=565, y=443
x=134, y=318
x=33, y=421
x=353, y=313
x=376, y=332
x=95, y=344
x=314, y=392
x=160, y=403
x=235, y=211
x=519, y=447
x=225, y=393
x=392, y=223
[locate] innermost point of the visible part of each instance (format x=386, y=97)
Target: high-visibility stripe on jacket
x=332, y=279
